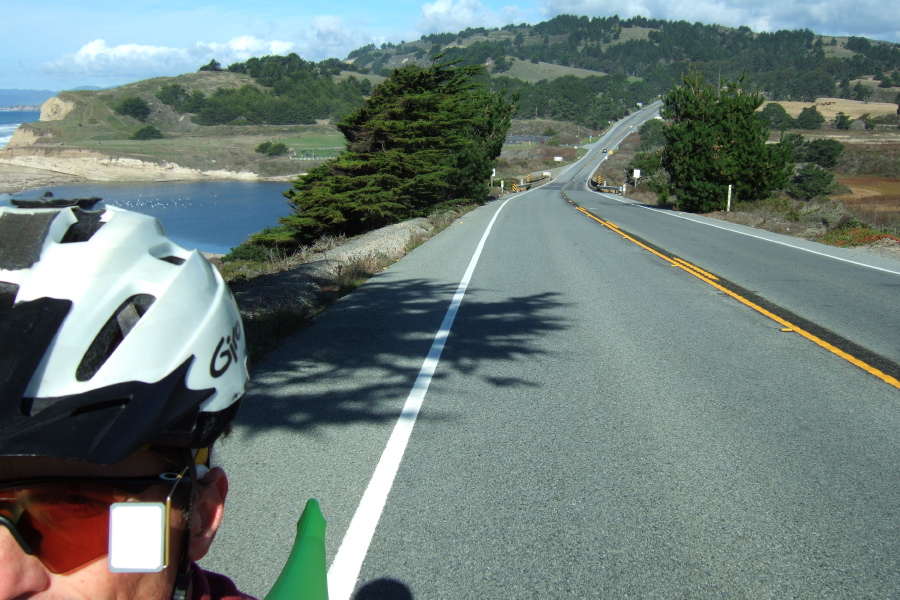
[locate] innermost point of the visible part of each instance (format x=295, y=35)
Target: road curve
x=597, y=423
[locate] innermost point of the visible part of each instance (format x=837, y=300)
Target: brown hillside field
x=830, y=107
x=875, y=199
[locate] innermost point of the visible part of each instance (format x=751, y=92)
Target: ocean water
x=212, y=216
x=10, y=121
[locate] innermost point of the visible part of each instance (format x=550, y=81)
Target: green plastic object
x=304, y=576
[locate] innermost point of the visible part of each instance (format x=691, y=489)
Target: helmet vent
x=98, y=406
x=8, y=293
x=22, y=237
x=111, y=335
x=84, y=228
x=175, y=260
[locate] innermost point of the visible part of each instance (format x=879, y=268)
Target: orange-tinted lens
x=66, y=525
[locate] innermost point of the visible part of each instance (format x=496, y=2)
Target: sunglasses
x=65, y=522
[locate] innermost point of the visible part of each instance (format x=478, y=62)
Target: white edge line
x=759, y=237
x=352, y=552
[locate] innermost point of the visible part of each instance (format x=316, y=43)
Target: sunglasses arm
x=184, y=579
x=4, y=522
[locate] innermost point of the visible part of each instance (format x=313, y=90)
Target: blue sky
x=61, y=44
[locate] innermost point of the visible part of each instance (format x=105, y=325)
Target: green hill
x=586, y=71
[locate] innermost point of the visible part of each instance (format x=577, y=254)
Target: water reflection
x=211, y=216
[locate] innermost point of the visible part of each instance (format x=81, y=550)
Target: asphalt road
x=597, y=423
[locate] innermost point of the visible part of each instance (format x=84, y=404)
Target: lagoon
x=212, y=216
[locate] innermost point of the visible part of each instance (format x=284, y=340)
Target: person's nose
x=20, y=574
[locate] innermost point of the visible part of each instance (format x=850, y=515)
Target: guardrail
x=602, y=188
x=526, y=182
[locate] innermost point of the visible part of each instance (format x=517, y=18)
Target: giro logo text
x=226, y=352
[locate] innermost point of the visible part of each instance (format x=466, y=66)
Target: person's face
x=24, y=576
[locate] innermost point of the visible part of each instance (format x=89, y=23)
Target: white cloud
x=327, y=37
x=456, y=15
x=868, y=18
x=99, y=59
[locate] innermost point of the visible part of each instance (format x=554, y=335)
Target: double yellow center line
x=714, y=281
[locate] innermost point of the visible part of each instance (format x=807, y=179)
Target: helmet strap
x=184, y=578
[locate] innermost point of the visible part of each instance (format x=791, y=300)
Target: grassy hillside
x=93, y=124
x=540, y=71
x=793, y=68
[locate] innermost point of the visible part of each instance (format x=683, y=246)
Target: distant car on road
x=604, y=151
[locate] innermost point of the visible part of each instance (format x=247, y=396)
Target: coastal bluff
x=80, y=137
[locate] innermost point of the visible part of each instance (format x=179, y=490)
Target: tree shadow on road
x=361, y=357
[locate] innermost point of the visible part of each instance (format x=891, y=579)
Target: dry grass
x=875, y=199
x=534, y=72
x=830, y=107
x=278, y=260
x=516, y=161
x=290, y=305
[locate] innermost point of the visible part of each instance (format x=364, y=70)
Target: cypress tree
x=426, y=137
x=714, y=139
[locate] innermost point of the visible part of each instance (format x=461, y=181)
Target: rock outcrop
x=56, y=109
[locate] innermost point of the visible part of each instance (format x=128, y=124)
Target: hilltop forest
x=621, y=62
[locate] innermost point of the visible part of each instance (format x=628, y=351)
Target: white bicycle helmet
x=112, y=337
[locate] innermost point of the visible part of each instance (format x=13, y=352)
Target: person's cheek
x=21, y=575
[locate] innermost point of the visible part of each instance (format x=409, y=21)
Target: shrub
x=247, y=251
x=824, y=152
x=147, y=133
x=810, y=181
x=277, y=149
x=810, y=118
x=842, y=121
x=264, y=147
x=133, y=107
x=776, y=117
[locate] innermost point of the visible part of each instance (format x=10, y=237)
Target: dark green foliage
x=171, y=94
x=824, y=152
x=862, y=92
x=133, y=107
x=248, y=251
x=810, y=118
x=264, y=147
x=653, y=134
x=811, y=181
x=179, y=98
x=795, y=144
x=653, y=175
x=589, y=101
x=775, y=117
x=786, y=65
x=549, y=132
x=148, y=132
x=425, y=138
x=842, y=121
x=277, y=149
x=295, y=92
x=212, y=65
x=714, y=139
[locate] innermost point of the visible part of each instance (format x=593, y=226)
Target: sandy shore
x=20, y=170
x=15, y=178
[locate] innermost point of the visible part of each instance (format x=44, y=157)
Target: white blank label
x=137, y=537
